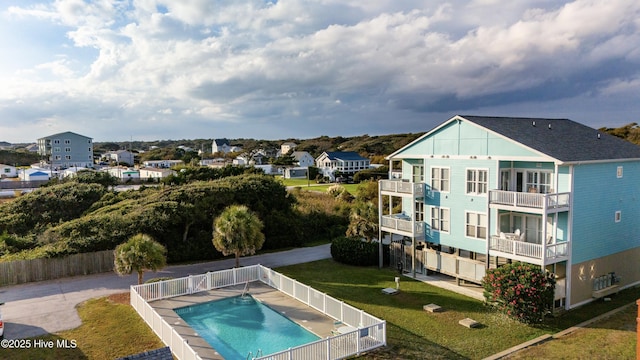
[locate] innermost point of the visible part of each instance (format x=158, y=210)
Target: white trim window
x=619, y=172
x=440, y=178
x=440, y=219
x=618, y=216
x=476, y=225
x=477, y=181
x=417, y=173
x=419, y=210
x=538, y=181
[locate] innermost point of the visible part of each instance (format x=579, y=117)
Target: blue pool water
x=239, y=325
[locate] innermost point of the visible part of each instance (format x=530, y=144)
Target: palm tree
x=363, y=221
x=140, y=253
x=237, y=231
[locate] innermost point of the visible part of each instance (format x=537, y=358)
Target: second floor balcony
x=541, y=254
x=403, y=225
x=529, y=202
x=402, y=188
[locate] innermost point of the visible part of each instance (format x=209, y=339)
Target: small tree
x=140, y=253
x=520, y=290
x=363, y=221
x=237, y=231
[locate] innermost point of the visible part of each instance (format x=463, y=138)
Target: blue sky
x=117, y=70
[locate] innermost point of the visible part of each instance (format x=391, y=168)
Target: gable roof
x=299, y=154
x=561, y=139
x=220, y=142
x=344, y=155
x=63, y=133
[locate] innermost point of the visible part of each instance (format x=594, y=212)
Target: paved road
x=49, y=306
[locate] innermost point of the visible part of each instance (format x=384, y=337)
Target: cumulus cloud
x=297, y=68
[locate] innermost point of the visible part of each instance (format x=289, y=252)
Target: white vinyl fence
x=369, y=332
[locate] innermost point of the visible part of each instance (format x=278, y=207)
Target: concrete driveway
x=50, y=306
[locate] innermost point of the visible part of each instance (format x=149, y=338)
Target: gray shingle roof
x=344, y=155
x=221, y=142
x=561, y=139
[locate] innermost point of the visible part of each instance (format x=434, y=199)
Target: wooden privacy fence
x=24, y=271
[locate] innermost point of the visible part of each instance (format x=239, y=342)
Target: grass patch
x=110, y=329
x=415, y=334
x=610, y=338
x=302, y=184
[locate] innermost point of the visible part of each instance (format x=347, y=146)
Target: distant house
x=153, y=173
x=296, y=173
x=8, y=171
x=71, y=172
x=213, y=162
x=67, y=149
x=34, y=175
x=120, y=157
x=223, y=146
x=124, y=174
x=242, y=160
x=343, y=162
x=286, y=147
x=303, y=159
x=269, y=169
x=161, y=164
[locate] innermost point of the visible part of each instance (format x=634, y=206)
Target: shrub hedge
x=357, y=252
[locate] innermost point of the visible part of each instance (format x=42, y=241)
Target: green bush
x=356, y=252
x=520, y=290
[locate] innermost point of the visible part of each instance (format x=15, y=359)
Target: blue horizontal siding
x=597, y=195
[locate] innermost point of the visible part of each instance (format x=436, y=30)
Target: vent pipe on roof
x=534, y=124
x=549, y=126
x=598, y=135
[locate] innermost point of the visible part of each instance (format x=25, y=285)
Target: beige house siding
x=584, y=274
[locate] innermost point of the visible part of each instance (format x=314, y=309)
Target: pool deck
x=304, y=315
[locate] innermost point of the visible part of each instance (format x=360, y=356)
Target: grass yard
x=110, y=329
x=302, y=184
x=611, y=338
x=415, y=334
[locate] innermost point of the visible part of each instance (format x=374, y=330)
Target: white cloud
x=241, y=63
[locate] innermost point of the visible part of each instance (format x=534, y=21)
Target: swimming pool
x=238, y=325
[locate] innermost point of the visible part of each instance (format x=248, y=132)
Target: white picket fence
x=369, y=332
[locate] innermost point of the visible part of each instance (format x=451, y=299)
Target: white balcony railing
x=403, y=223
x=529, y=200
x=402, y=187
x=528, y=250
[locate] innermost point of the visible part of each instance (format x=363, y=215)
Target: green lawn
x=611, y=338
x=415, y=334
x=304, y=185
x=111, y=328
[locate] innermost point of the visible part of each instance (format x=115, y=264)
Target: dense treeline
x=365, y=145
x=18, y=158
x=72, y=217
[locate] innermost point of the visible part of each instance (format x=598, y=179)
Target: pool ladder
x=258, y=354
x=246, y=289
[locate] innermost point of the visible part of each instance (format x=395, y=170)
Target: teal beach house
x=477, y=192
